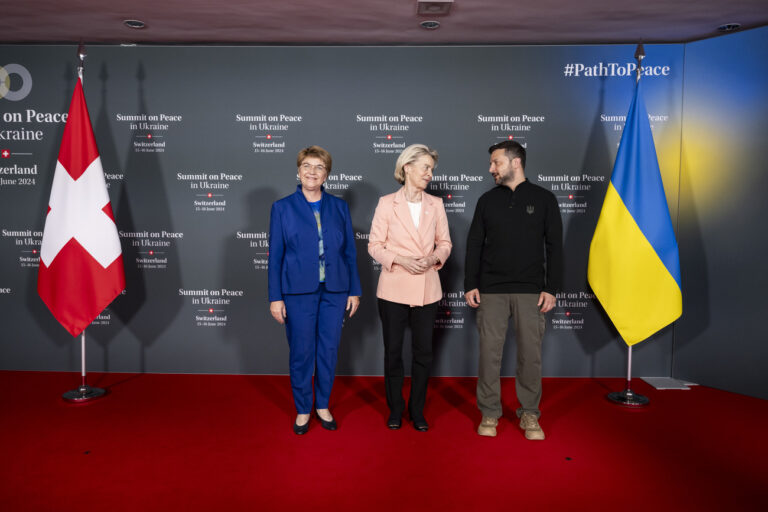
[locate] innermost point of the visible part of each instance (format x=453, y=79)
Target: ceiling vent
x=729, y=27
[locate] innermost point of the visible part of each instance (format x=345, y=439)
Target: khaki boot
x=530, y=424
x=487, y=427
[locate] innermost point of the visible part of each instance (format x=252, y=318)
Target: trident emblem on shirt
x=529, y=209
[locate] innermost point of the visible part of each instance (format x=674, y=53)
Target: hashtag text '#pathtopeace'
x=611, y=69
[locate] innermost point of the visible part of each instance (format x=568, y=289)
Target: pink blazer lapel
x=404, y=215
x=427, y=215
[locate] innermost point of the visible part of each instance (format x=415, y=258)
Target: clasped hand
x=416, y=266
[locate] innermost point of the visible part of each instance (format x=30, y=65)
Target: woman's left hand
x=353, y=302
x=429, y=261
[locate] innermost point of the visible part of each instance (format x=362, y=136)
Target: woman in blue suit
x=313, y=280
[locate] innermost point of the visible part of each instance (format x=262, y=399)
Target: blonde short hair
x=317, y=152
x=410, y=155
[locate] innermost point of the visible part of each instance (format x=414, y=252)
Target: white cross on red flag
x=81, y=262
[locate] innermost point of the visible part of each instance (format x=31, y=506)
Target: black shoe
x=420, y=424
x=301, y=429
x=327, y=425
x=394, y=422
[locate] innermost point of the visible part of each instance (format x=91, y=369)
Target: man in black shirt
x=513, y=269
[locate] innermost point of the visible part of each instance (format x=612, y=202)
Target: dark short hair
x=512, y=149
x=317, y=152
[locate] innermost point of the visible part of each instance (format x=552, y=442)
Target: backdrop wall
x=721, y=339
x=198, y=142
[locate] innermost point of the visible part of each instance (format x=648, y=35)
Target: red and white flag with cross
x=81, y=262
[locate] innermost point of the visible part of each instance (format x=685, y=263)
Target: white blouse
x=415, y=212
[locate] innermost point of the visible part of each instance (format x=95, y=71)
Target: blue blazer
x=294, y=263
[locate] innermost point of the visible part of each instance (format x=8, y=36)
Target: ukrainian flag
x=634, y=268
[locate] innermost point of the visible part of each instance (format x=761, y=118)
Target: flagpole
x=82, y=358
x=628, y=397
x=84, y=393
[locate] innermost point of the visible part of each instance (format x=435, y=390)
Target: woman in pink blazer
x=410, y=238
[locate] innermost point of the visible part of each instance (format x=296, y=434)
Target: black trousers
x=395, y=318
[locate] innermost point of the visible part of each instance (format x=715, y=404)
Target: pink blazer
x=393, y=233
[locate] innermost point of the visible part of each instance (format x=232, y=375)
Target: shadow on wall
x=105, y=139
x=147, y=308
x=452, y=340
x=361, y=350
x=695, y=319
x=260, y=339
x=597, y=161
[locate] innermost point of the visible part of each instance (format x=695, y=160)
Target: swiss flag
x=81, y=263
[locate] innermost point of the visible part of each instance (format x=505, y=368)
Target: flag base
x=628, y=398
x=83, y=394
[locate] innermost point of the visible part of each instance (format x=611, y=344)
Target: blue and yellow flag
x=634, y=268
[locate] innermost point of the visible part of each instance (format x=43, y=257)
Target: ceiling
x=372, y=22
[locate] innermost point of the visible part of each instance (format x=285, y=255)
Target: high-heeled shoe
x=327, y=425
x=301, y=429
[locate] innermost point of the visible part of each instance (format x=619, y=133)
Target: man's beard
x=503, y=179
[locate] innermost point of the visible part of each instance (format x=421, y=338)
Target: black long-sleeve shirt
x=514, y=237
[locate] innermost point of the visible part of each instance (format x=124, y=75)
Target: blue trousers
x=313, y=325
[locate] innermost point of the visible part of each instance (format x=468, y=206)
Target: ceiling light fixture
x=134, y=24
x=729, y=27
x=433, y=7
x=430, y=24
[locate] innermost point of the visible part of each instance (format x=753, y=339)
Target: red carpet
x=205, y=442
